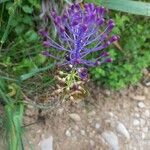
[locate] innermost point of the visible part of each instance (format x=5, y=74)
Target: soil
x=96, y=115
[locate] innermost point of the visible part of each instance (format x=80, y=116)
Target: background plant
x=131, y=58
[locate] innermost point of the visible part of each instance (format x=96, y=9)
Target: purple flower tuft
x=82, y=31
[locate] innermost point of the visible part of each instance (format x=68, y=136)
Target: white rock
x=68, y=133
x=92, y=113
x=138, y=97
x=147, y=83
x=142, y=122
x=143, y=135
x=111, y=139
x=137, y=115
x=141, y=105
x=145, y=129
x=147, y=113
x=47, y=144
x=122, y=129
x=97, y=125
x=76, y=127
x=82, y=132
x=92, y=143
x=136, y=122
x=75, y=117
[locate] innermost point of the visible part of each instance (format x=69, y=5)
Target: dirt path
x=106, y=120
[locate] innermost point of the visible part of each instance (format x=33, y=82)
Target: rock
x=141, y=105
x=111, y=139
x=138, y=97
x=145, y=129
x=47, y=144
x=92, y=143
x=142, y=122
x=143, y=135
x=97, y=125
x=82, y=132
x=122, y=129
x=75, y=117
x=68, y=133
x=92, y=113
x=76, y=127
x=136, y=122
x=147, y=83
x=137, y=115
x=60, y=111
x=107, y=92
x=146, y=91
x=146, y=113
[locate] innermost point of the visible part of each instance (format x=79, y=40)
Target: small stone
x=75, y=117
x=60, y=111
x=147, y=83
x=68, y=133
x=107, y=92
x=147, y=113
x=138, y=97
x=137, y=115
x=142, y=122
x=145, y=129
x=76, y=127
x=82, y=132
x=92, y=143
x=92, y=113
x=122, y=129
x=146, y=91
x=97, y=125
x=143, y=135
x=47, y=144
x=111, y=139
x=141, y=105
x=136, y=122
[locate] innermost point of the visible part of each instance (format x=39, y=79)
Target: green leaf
x=2, y=1
x=129, y=6
x=35, y=72
x=27, y=9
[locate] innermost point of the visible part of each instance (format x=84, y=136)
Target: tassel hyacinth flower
x=81, y=31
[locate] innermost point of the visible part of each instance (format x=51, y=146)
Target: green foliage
x=128, y=63
x=11, y=121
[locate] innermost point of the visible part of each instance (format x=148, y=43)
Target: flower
x=81, y=31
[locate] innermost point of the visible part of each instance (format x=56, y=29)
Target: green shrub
x=128, y=63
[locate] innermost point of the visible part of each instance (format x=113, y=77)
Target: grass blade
x=129, y=6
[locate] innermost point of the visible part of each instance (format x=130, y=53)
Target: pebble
x=82, y=132
x=92, y=143
x=138, y=97
x=147, y=83
x=97, y=125
x=92, y=113
x=142, y=122
x=137, y=115
x=47, y=144
x=147, y=113
x=122, y=129
x=141, y=105
x=68, y=133
x=75, y=117
x=111, y=139
x=136, y=122
x=145, y=129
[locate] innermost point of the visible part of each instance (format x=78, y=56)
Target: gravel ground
x=105, y=120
